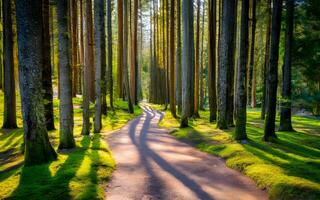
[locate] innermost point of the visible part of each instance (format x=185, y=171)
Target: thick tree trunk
x=187, y=63
x=66, y=106
x=110, y=53
x=197, y=64
x=226, y=64
x=272, y=75
x=38, y=149
x=86, y=126
x=240, y=100
x=212, y=60
x=9, y=116
x=47, y=69
x=120, y=48
x=171, y=58
x=99, y=33
x=285, y=117
x=125, y=56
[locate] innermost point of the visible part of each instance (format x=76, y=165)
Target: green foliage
x=289, y=167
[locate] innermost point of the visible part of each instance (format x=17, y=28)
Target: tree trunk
x=240, y=100
x=99, y=33
x=272, y=75
x=253, y=68
x=187, y=63
x=1, y=48
x=285, y=117
x=266, y=62
x=178, y=58
x=212, y=60
x=134, y=64
x=74, y=43
x=171, y=58
x=197, y=64
x=226, y=64
x=201, y=72
x=66, y=106
x=110, y=54
x=47, y=69
x=125, y=56
x=38, y=149
x=87, y=70
x=120, y=48
x=9, y=116
x=91, y=51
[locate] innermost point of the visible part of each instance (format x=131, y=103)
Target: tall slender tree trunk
x=38, y=149
x=90, y=36
x=178, y=59
x=171, y=58
x=134, y=64
x=66, y=106
x=197, y=64
x=240, y=100
x=253, y=68
x=226, y=63
x=187, y=63
x=285, y=116
x=125, y=56
x=212, y=59
x=272, y=75
x=99, y=33
x=110, y=53
x=9, y=117
x=201, y=72
x=86, y=126
x=266, y=62
x=47, y=69
x=74, y=45
x=120, y=48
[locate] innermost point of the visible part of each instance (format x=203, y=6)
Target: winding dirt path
x=151, y=164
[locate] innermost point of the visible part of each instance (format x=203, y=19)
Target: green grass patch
x=81, y=173
x=288, y=168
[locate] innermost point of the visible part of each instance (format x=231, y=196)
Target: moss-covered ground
x=80, y=173
x=288, y=168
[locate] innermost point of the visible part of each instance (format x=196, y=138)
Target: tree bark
x=171, y=58
x=201, y=72
x=178, y=59
x=91, y=58
x=197, y=64
x=266, y=62
x=9, y=116
x=66, y=105
x=47, y=70
x=99, y=33
x=285, y=116
x=240, y=100
x=226, y=64
x=187, y=63
x=253, y=68
x=134, y=64
x=125, y=56
x=272, y=75
x=120, y=48
x=74, y=44
x=87, y=70
x=38, y=149
x=110, y=53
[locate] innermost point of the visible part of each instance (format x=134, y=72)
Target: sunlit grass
x=80, y=173
x=288, y=168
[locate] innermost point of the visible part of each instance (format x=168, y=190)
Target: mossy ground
x=288, y=168
x=80, y=173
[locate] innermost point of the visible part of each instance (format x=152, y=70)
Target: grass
x=288, y=168
x=81, y=173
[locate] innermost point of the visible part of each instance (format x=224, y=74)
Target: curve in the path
x=151, y=164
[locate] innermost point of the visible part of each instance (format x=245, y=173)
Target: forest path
x=151, y=164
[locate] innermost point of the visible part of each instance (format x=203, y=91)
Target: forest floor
x=288, y=168
x=81, y=173
x=152, y=164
